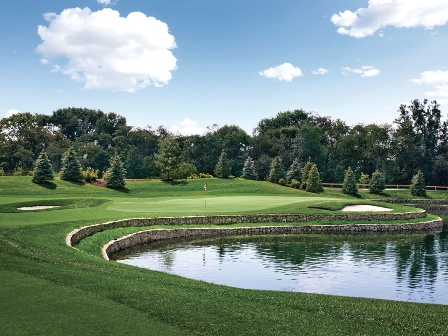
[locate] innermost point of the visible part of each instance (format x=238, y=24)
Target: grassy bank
x=50, y=289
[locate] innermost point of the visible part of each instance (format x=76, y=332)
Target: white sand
x=363, y=207
x=40, y=207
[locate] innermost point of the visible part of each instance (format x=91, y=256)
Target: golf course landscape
x=49, y=288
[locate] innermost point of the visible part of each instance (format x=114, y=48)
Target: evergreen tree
x=168, y=157
x=222, y=168
x=249, y=171
x=42, y=170
x=418, y=184
x=71, y=168
x=294, y=172
x=134, y=163
x=349, y=186
x=305, y=172
x=277, y=170
x=314, y=184
x=115, y=175
x=377, y=182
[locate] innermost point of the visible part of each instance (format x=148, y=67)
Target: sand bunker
x=39, y=207
x=364, y=207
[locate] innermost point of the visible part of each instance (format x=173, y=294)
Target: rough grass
x=51, y=289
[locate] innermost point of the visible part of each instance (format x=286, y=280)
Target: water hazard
x=411, y=267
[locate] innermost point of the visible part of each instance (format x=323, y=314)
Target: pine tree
x=115, y=175
x=349, y=186
x=305, y=172
x=42, y=172
x=222, y=168
x=277, y=170
x=377, y=182
x=418, y=187
x=294, y=172
x=71, y=169
x=314, y=184
x=249, y=171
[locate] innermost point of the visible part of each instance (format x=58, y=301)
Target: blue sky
x=191, y=64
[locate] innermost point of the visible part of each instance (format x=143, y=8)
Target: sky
x=191, y=64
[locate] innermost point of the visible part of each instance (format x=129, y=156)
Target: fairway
x=221, y=205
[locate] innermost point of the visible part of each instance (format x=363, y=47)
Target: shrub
x=19, y=171
x=295, y=184
x=222, y=168
x=249, y=171
x=364, y=179
x=282, y=181
x=314, y=184
x=42, y=172
x=115, y=175
x=71, y=169
x=90, y=174
x=418, y=187
x=349, y=186
x=277, y=171
x=377, y=182
x=294, y=172
x=2, y=172
x=184, y=170
x=305, y=172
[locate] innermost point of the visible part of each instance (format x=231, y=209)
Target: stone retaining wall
x=148, y=236
x=77, y=235
x=414, y=201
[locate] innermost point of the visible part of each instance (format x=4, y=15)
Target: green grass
x=51, y=289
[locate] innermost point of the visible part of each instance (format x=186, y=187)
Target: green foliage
x=364, y=179
x=150, y=167
x=184, y=170
x=115, y=175
x=314, y=184
x=134, y=163
x=2, y=172
x=305, y=173
x=349, y=186
x=71, y=169
x=222, y=168
x=20, y=171
x=295, y=184
x=168, y=157
x=90, y=174
x=377, y=182
x=249, y=171
x=282, y=181
x=294, y=171
x=418, y=187
x=42, y=172
x=277, y=170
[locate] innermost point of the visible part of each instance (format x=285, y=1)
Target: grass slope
x=50, y=289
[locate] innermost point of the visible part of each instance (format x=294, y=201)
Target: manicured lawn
x=51, y=289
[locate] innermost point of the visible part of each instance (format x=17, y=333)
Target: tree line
x=416, y=141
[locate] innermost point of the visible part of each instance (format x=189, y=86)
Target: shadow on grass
x=48, y=185
x=175, y=182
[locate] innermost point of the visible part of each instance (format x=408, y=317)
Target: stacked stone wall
x=148, y=236
x=77, y=235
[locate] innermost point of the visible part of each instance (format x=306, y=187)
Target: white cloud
x=11, y=112
x=285, y=72
x=108, y=52
x=104, y=2
x=364, y=71
x=187, y=127
x=396, y=13
x=320, y=71
x=438, y=80
x=431, y=77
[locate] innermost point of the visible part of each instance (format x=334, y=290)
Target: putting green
x=225, y=204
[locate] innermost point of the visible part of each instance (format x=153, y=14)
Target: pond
x=404, y=267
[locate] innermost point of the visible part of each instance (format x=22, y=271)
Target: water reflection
x=408, y=267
